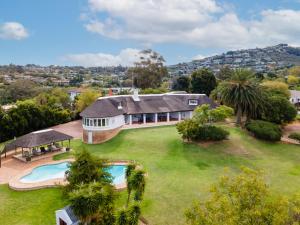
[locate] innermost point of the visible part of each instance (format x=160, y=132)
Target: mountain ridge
x=265, y=59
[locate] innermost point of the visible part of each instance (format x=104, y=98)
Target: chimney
x=135, y=95
x=110, y=92
x=120, y=106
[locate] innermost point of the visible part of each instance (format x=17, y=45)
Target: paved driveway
x=73, y=129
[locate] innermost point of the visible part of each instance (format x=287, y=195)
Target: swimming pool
x=57, y=171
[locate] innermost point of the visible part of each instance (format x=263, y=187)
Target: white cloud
x=126, y=57
x=205, y=23
x=13, y=30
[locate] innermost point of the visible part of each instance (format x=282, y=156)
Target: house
x=66, y=216
x=295, y=98
x=104, y=118
x=74, y=93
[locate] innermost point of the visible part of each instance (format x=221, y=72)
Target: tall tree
x=149, y=71
x=85, y=99
x=85, y=169
x=279, y=110
x=225, y=73
x=244, y=199
x=182, y=83
x=93, y=203
x=203, y=81
x=242, y=93
x=135, y=182
x=276, y=88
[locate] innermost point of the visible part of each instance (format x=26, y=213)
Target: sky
x=113, y=32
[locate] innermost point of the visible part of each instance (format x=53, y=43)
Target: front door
x=90, y=137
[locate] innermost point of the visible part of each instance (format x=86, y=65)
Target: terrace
x=37, y=145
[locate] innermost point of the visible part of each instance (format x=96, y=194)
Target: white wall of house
x=102, y=124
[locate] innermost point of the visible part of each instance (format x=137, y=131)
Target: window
x=103, y=123
x=193, y=102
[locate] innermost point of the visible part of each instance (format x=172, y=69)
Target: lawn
x=178, y=173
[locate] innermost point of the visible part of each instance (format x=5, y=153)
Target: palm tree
x=129, y=171
x=135, y=182
x=134, y=214
x=93, y=202
x=122, y=218
x=139, y=184
x=242, y=93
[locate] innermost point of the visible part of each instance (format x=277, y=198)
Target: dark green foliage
x=279, y=110
x=242, y=93
x=190, y=130
x=129, y=216
x=182, y=83
x=225, y=73
x=28, y=117
x=85, y=169
x=295, y=136
x=136, y=182
x=93, y=203
x=264, y=130
x=203, y=81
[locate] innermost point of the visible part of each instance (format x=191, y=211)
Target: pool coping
x=17, y=185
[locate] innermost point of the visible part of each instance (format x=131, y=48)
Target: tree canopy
x=149, y=71
x=85, y=99
x=244, y=199
x=203, y=81
x=242, y=93
x=276, y=88
x=182, y=83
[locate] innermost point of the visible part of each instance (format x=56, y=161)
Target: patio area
x=37, y=145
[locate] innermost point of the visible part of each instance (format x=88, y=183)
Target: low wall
x=100, y=136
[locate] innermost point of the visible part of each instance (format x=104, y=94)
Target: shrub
x=264, y=130
x=295, y=136
x=190, y=130
x=211, y=133
x=279, y=110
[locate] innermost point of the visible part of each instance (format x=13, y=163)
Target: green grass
x=179, y=173
x=29, y=208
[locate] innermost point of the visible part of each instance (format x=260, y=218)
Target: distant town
x=260, y=60
x=263, y=60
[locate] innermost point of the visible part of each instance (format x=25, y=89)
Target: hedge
x=264, y=130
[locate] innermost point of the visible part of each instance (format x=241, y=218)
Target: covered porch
x=37, y=145
x=155, y=118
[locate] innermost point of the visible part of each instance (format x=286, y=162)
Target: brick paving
x=73, y=128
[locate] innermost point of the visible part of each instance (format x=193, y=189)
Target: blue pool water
x=56, y=171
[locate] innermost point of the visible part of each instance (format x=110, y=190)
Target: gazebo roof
x=37, y=138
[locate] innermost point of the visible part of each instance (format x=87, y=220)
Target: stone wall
x=101, y=136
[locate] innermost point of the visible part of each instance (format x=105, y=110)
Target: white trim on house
x=103, y=124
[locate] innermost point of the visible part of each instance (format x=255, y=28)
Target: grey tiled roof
x=37, y=138
x=71, y=214
x=108, y=106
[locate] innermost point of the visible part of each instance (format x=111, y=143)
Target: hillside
x=259, y=59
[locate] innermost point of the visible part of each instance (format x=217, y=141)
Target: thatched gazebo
x=34, y=143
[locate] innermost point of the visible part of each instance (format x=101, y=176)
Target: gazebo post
x=22, y=152
x=69, y=143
